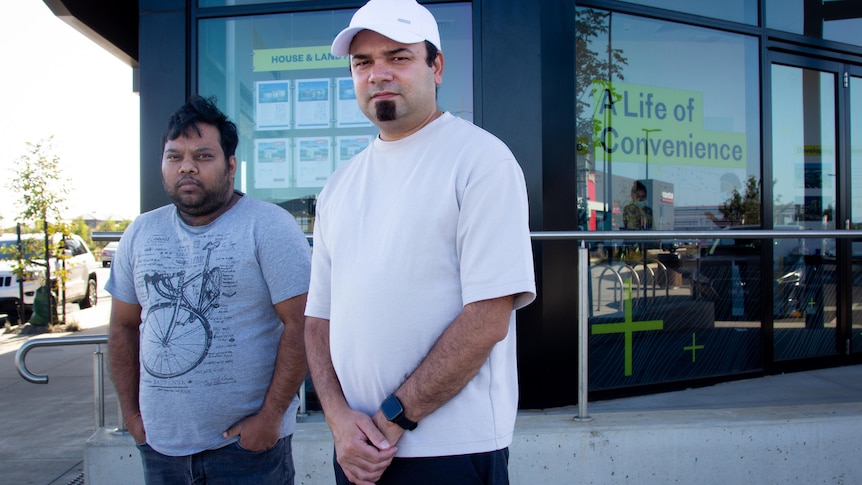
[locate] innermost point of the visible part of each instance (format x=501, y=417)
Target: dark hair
x=432, y=51
x=202, y=110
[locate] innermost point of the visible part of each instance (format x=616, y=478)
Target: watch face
x=391, y=408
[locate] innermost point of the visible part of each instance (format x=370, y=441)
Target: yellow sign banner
x=297, y=58
x=638, y=123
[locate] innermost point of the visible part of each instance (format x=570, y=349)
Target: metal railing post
x=99, y=385
x=121, y=421
x=302, y=407
x=583, y=332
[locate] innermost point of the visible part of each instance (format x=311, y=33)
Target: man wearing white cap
x=421, y=256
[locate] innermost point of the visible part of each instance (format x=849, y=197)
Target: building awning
x=111, y=24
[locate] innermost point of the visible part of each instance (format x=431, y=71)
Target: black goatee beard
x=385, y=110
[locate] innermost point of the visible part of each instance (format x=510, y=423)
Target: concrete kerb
x=771, y=445
x=111, y=457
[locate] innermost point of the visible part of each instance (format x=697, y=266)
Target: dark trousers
x=230, y=465
x=490, y=468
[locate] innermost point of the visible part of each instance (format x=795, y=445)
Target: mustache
x=187, y=179
x=383, y=90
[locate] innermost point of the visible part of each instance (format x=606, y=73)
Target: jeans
x=231, y=464
x=490, y=468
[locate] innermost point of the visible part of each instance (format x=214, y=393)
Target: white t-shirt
x=406, y=234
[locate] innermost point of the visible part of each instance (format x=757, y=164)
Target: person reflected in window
x=637, y=215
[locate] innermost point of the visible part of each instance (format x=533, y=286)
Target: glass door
x=805, y=187
x=854, y=88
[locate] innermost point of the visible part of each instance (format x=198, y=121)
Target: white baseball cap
x=403, y=21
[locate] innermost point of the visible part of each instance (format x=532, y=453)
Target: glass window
x=803, y=144
x=804, y=184
x=856, y=153
x=668, y=132
x=856, y=206
x=830, y=20
x=670, y=110
x=226, y=3
x=744, y=11
x=293, y=102
x=73, y=246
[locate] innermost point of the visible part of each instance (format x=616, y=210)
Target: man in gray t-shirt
x=205, y=341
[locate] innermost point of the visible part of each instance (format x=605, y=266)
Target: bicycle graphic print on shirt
x=176, y=334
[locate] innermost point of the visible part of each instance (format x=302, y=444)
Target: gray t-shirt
x=209, y=332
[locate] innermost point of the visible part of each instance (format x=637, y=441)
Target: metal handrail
x=583, y=273
x=26, y=347
x=98, y=372
x=689, y=235
x=583, y=320
x=98, y=366
x=106, y=236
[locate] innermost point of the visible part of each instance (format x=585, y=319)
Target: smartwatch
x=394, y=412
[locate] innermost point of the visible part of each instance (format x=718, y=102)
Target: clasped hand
x=364, y=446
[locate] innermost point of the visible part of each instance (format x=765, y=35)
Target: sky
x=57, y=82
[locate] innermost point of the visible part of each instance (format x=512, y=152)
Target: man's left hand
x=256, y=432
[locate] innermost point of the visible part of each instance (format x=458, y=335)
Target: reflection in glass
x=654, y=100
x=668, y=139
x=838, y=21
x=803, y=164
x=856, y=209
x=226, y=3
x=744, y=11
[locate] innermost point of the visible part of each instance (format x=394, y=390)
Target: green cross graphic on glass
x=628, y=327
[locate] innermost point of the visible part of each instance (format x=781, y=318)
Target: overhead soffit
x=112, y=24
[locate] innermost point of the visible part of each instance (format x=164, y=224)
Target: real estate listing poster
x=272, y=107
x=313, y=103
x=313, y=161
x=272, y=163
x=349, y=146
x=347, y=110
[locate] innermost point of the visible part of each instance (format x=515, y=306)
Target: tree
x=81, y=228
x=744, y=209
x=42, y=191
x=113, y=226
x=597, y=65
x=40, y=184
x=594, y=65
x=109, y=226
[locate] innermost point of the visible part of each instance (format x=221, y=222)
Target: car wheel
x=90, y=297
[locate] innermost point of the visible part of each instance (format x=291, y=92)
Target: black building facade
x=639, y=115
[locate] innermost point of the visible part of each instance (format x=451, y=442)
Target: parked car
x=107, y=255
x=78, y=263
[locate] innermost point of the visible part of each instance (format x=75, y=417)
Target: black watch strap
x=393, y=410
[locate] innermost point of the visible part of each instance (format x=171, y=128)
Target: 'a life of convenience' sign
x=635, y=123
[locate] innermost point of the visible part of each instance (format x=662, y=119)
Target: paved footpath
x=44, y=427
